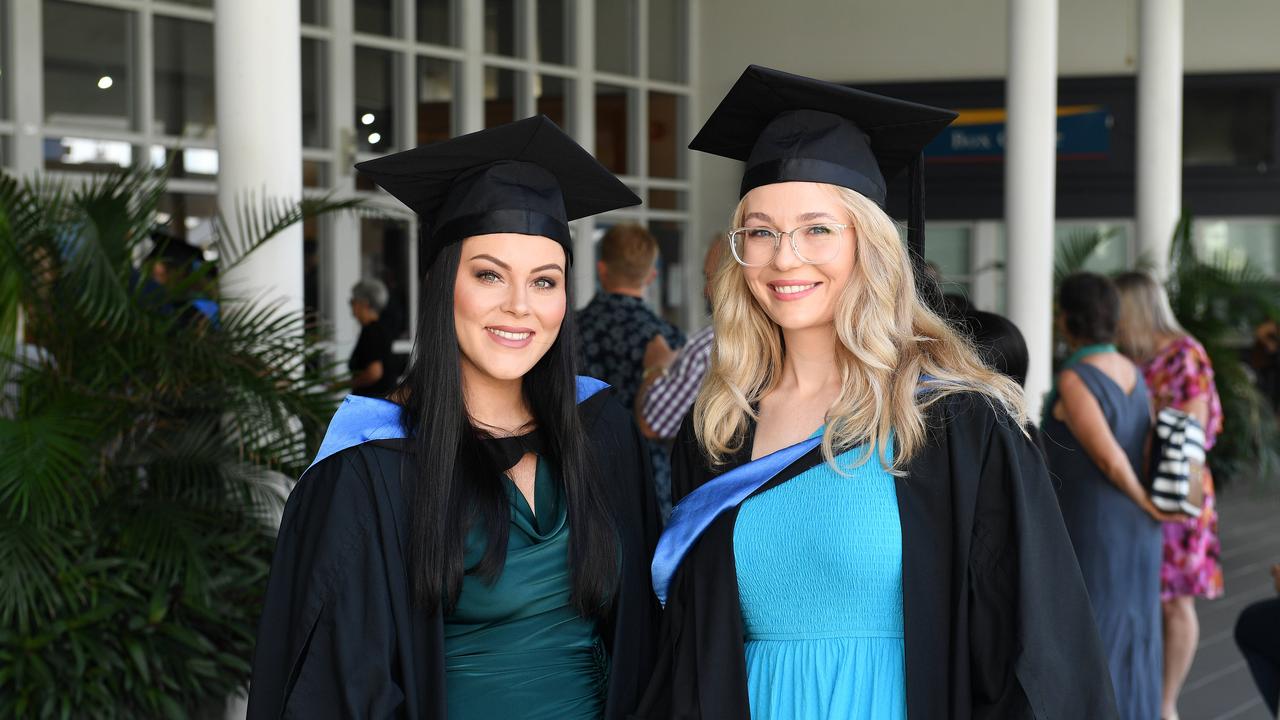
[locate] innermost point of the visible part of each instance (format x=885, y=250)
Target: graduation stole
x=701, y=507
x=695, y=513
x=363, y=419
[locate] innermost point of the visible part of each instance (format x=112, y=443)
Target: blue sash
x=362, y=419
x=695, y=513
x=701, y=507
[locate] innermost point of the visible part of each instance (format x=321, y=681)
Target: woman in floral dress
x=1178, y=375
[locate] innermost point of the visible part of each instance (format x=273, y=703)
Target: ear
x=601, y=269
x=653, y=275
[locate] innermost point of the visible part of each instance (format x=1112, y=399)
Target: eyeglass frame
x=777, y=242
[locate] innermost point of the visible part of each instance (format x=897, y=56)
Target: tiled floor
x=1220, y=686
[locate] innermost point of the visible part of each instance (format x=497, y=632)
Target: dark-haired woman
x=479, y=547
x=1096, y=423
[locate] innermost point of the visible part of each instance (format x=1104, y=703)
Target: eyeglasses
x=813, y=244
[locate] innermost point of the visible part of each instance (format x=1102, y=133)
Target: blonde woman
x=864, y=530
x=1179, y=375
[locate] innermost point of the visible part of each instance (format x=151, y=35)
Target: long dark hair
x=457, y=486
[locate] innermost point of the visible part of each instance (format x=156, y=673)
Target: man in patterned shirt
x=617, y=325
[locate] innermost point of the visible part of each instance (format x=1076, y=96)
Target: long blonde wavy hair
x=888, y=338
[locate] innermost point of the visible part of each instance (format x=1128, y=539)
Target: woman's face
x=797, y=295
x=508, y=302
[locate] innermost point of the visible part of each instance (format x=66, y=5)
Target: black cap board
x=789, y=128
x=525, y=177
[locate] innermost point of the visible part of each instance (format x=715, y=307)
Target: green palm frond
x=1073, y=255
x=259, y=219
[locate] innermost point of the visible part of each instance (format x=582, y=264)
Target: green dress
x=518, y=646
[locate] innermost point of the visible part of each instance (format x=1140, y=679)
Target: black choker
x=505, y=452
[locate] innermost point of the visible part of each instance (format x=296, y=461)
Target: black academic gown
x=339, y=637
x=997, y=622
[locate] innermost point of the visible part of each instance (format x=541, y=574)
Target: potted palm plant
x=143, y=439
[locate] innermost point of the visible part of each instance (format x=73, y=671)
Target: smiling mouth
x=509, y=335
x=792, y=289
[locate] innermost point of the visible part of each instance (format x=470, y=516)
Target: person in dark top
x=864, y=530
x=617, y=326
x=1096, y=422
x=370, y=362
x=476, y=546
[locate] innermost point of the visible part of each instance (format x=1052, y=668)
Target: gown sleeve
x=1034, y=647
x=326, y=641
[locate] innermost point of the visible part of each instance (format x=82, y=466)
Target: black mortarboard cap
x=525, y=177
x=792, y=128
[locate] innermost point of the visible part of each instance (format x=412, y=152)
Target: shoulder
x=339, y=495
x=970, y=415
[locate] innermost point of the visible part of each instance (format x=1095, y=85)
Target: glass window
x=188, y=217
x=949, y=249
x=6, y=151
x=670, y=290
x=384, y=255
x=192, y=163
x=315, y=174
x=666, y=141
x=88, y=66
x=613, y=119
x=499, y=96
x=500, y=27
x=82, y=154
x=184, y=77
x=615, y=36
x=1229, y=126
x=660, y=199
x=193, y=3
x=555, y=100
x=437, y=22
x=313, y=280
x=376, y=17
x=1110, y=256
x=315, y=59
x=1236, y=242
x=554, y=33
x=436, y=80
x=375, y=107
x=667, y=40
x=313, y=12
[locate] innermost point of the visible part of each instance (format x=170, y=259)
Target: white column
x=1030, y=156
x=1159, y=169
x=584, y=131
x=258, y=72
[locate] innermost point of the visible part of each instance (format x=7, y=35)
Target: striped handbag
x=1177, y=463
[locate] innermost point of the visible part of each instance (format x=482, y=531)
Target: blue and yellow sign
x=1084, y=132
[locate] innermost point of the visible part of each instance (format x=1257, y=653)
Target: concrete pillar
x=257, y=51
x=584, y=131
x=1159, y=171
x=1030, y=157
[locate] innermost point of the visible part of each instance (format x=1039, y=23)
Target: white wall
x=907, y=40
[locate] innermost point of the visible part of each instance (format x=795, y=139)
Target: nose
x=517, y=302
x=786, y=258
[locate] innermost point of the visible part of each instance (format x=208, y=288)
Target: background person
x=1178, y=375
x=1097, y=420
x=370, y=362
x=1258, y=636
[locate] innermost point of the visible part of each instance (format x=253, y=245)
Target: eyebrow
x=815, y=215
x=504, y=266
x=493, y=260
x=803, y=218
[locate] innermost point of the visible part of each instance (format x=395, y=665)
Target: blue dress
x=819, y=561
x=1118, y=545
